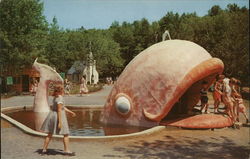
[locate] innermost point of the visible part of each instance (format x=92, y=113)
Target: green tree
x=56, y=48
x=23, y=32
x=106, y=52
x=215, y=10
x=124, y=36
x=188, y=26
x=155, y=34
x=233, y=47
x=142, y=33
x=170, y=22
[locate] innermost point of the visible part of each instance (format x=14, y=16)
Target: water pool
x=86, y=122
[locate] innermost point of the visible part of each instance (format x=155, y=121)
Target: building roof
x=77, y=67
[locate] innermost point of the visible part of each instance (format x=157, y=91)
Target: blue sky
x=100, y=14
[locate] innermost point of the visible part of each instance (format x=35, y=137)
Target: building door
x=25, y=83
x=3, y=85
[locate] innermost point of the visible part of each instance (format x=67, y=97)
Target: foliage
x=223, y=33
x=105, y=51
x=75, y=89
x=25, y=34
x=22, y=32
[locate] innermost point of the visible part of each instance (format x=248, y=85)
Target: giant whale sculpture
x=164, y=81
x=47, y=75
x=41, y=104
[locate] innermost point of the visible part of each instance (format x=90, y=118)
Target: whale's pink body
x=157, y=78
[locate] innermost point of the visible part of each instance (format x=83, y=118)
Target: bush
x=245, y=92
x=10, y=94
x=75, y=88
x=94, y=88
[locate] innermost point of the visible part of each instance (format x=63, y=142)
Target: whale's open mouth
x=184, y=114
x=188, y=101
x=180, y=116
x=187, y=95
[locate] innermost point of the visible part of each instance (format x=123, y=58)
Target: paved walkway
x=97, y=98
x=176, y=143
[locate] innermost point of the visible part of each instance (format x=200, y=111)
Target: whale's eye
x=122, y=105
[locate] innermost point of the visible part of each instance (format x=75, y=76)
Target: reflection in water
x=39, y=119
x=86, y=123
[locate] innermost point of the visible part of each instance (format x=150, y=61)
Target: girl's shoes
x=69, y=153
x=44, y=152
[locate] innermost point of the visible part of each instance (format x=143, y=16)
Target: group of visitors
x=83, y=86
x=67, y=86
x=109, y=80
x=226, y=91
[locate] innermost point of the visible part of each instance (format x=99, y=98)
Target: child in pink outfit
x=241, y=107
x=83, y=87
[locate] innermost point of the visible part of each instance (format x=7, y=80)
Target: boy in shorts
x=203, y=96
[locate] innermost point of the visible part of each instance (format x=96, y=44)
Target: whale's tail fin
x=34, y=63
x=47, y=72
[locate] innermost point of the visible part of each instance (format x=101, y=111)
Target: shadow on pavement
x=246, y=125
x=183, y=148
x=51, y=152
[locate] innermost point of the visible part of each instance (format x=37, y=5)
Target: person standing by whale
x=56, y=122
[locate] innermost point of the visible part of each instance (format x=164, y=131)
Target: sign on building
x=9, y=80
x=62, y=74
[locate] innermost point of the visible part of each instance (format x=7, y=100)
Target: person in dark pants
x=203, y=96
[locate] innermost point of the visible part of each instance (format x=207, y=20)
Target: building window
x=16, y=80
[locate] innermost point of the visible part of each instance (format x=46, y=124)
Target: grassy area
x=9, y=94
x=75, y=88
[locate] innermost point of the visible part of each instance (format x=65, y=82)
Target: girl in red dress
x=218, y=87
x=240, y=107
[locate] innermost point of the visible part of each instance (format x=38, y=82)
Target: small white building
x=84, y=68
x=74, y=74
x=90, y=72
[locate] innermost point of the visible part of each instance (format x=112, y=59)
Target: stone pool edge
x=29, y=131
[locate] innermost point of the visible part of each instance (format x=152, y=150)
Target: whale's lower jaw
x=204, y=121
